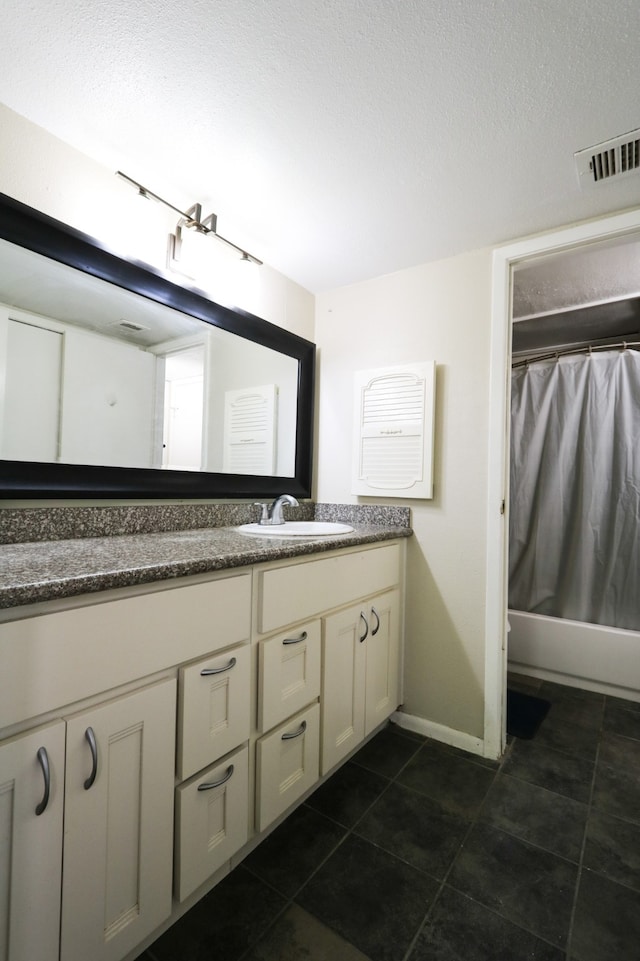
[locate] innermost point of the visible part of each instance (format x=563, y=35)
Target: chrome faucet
x=271, y=515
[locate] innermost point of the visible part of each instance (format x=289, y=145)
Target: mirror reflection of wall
x=93, y=374
x=73, y=396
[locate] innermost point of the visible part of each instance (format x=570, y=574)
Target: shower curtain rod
x=622, y=345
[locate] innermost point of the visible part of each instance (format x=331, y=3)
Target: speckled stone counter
x=45, y=570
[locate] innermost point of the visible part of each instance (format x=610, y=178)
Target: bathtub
x=589, y=656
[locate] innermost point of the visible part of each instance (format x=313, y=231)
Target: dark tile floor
x=415, y=851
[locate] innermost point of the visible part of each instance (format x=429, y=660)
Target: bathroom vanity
x=167, y=698
x=153, y=731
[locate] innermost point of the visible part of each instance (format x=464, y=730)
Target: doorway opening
x=620, y=228
x=183, y=409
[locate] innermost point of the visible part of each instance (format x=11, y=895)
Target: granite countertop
x=45, y=570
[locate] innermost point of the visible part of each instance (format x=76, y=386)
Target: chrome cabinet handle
x=43, y=759
x=377, y=627
x=208, y=671
x=302, y=729
x=295, y=640
x=93, y=747
x=209, y=786
x=366, y=628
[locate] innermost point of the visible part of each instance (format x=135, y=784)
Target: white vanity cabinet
x=287, y=764
x=168, y=727
x=343, y=665
x=31, y=812
x=118, y=851
x=213, y=714
x=95, y=685
x=360, y=673
x=312, y=586
x=287, y=754
x=287, y=757
x=288, y=672
x=212, y=810
x=212, y=805
x=107, y=818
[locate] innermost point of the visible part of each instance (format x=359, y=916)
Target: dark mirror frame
x=29, y=228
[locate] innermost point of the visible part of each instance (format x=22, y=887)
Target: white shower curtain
x=574, y=522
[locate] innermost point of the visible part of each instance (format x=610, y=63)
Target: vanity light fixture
x=190, y=219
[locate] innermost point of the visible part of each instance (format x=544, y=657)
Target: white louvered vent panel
x=393, y=398
x=248, y=459
x=394, y=463
x=250, y=430
x=393, y=431
x=614, y=158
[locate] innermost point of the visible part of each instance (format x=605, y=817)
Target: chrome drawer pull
x=43, y=758
x=218, y=670
x=93, y=747
x=366, y=628
x=223, y=780
x=289, y=737
x=296, y=640
x=377, y=617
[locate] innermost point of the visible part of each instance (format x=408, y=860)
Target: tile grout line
x=291, y=900
x=441, y=886
x=443, y=882
x=348, y=832
x=501, y=773
x=584, y=838
x=473, y=823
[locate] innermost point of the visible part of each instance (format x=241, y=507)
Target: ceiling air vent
x=614, y=158
x=129, y=326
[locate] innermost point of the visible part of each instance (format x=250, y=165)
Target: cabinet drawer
x=287, y=764
x=303, y=590
x=212, y=818
x=213, y=714
x=89, y=650
x=289, y=671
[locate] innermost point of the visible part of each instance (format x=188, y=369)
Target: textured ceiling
x=339, y=139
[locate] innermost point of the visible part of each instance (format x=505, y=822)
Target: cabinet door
x=289, y=673
x=213, y=718
x=287, y=764
x=343, y=683
x=119, y=824
x=382, y=687
x=31, y=844
x=212, y=820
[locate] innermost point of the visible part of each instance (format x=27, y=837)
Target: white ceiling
x=339, y=139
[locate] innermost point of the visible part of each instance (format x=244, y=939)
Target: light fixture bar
x=190, y=217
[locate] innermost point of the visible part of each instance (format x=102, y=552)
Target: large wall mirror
x=117, y=382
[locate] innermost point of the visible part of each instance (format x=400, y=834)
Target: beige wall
x=43, y=172
x=438, y=311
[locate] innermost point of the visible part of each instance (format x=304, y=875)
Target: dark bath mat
x=525, y=714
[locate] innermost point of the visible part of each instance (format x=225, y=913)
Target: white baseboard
x=439, y=732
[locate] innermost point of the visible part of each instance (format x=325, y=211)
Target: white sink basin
x=296, y=529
